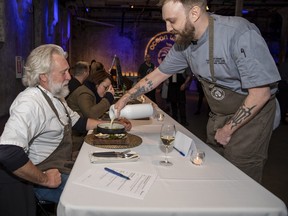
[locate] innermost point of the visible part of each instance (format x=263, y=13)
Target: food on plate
x=111, y=136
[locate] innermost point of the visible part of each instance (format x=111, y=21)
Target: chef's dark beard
x=186, y=36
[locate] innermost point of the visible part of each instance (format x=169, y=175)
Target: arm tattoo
x=142, y=89
x=242, y=113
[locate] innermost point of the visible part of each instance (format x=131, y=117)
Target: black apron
x=61, y=157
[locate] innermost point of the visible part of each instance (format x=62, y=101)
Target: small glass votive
x=198, y=158
x=160, y=116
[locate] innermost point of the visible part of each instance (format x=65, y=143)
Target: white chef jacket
x=34, y=126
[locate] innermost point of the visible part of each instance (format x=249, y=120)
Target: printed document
x=136, y=187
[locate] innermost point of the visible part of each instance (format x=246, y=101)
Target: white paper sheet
x=137, y=187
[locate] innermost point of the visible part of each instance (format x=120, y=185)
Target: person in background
x=93, y=104
x=145, y=68
x=177, y=86
x=35, y=145
x=92, y=64
x=98, y=66
x=95, y=68
x=283, y=91
x=80, y=72
x=238, y=74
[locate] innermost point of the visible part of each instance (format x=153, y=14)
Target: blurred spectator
x=177, y=94
x=145, y=68
x=79, y=73
x=97, y=66
x=93, y=104
x=282, y=95
x=92, y=64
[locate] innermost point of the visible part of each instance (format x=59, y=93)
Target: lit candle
x=160, y=116
x=197, y=160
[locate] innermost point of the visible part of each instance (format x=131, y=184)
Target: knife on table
x=110, y=154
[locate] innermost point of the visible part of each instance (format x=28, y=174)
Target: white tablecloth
x=215, y=188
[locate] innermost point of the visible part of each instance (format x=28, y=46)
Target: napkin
x=133, y=157
x=184, y=144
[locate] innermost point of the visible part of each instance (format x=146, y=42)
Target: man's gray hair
x=80, y=68
x=40, y=62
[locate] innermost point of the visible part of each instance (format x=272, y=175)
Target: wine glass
x=167, y=136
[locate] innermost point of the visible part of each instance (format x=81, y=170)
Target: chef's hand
x=223, y=135
x=121, y=103
x=127, y=124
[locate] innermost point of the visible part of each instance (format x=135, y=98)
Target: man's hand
x=121, y=103
x=53, y=179
x=253, y=103
x=223, y=135
x=127, y=124
x=148, y=83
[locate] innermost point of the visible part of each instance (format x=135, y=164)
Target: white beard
x=58, y=89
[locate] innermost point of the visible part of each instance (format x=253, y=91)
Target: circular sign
x=159, y=46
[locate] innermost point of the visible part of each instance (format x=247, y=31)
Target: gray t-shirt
x=242, y=59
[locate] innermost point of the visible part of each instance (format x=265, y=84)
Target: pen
x=179, y=151
x=116, y=173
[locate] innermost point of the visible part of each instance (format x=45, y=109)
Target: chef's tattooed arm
x=243, y=113
x=140, y=90
x=253, y=103
x=148, y=83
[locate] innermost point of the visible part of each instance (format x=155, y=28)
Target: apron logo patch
x=217, y=93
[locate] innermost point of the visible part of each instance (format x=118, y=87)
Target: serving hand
x=121, y=103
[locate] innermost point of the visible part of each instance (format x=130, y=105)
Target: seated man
x=79, y=73
x=36, y=142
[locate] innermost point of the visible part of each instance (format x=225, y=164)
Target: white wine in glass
x=167, y=136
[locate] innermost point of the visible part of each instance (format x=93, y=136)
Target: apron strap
x=53, y=107
x=211, y=48
x=61, y=157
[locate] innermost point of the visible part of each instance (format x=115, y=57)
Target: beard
x=184, y=37
x=59, y=90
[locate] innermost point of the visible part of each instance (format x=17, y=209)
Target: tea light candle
x=197, y=161
x=160, y=117
x=198, y=158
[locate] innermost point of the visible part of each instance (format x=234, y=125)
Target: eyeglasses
x=105, y=87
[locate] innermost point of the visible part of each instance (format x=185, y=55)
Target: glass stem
x=166, y=152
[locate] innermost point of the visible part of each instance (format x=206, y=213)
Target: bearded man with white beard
x=36, y=144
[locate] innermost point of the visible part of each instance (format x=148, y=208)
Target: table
x=215, y=188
